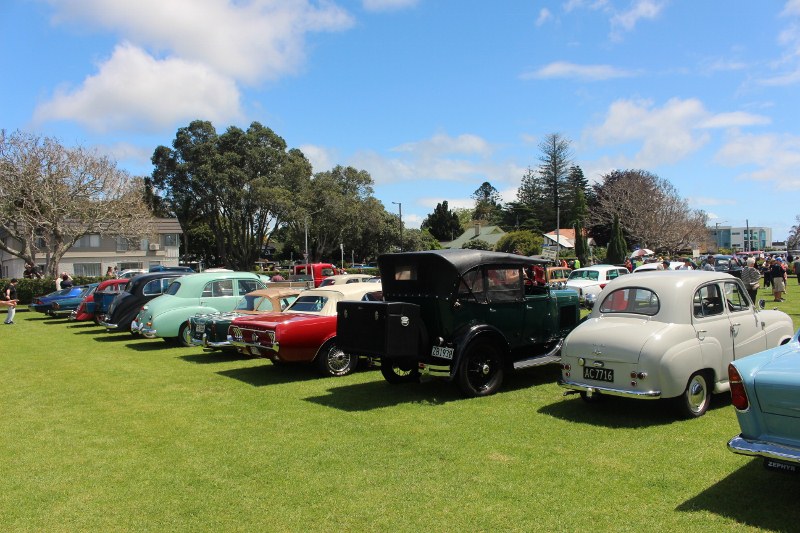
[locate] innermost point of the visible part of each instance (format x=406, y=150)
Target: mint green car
x=167, y=316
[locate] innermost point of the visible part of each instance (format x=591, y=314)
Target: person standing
x=796, y=267
x=709, y=266
x=10, y=299
x=778, y=280
x=751, y=278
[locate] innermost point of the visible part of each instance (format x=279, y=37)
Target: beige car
x=668, y=334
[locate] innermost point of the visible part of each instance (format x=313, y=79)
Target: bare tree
x=650, y=210
x=793, y=240
x=51, y=196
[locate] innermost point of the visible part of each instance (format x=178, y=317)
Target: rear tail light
x=738, y=393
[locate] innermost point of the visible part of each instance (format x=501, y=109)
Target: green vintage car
x=214, y=292
x=468, y=316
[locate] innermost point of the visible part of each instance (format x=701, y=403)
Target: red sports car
x=305, y=331
x=85, y=310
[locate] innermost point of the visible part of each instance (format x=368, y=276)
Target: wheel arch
x=474, y=334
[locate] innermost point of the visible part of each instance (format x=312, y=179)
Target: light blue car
x=167, y=316
x=765, y=391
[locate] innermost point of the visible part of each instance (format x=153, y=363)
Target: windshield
x=631, y=300
x=592, y=275
x=309, y=304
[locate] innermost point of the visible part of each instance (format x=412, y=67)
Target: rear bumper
x=760, y=448
x=595, y=389
x=205, y=343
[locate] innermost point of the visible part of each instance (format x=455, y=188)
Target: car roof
x=462, y=260
x=669, y=280
x=350, y=290
x=276, y=292
x=149, y=276
x=600, y=267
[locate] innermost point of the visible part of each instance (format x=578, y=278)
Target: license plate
x=441, y=351
x=598, y=374
x=200, y=328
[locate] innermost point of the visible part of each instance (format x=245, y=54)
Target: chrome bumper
x=595, y=389
x=760, y=448
x=211, y=345
x=60, y=312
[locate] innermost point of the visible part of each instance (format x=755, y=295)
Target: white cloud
x=735, y=119
x=563, y=69
x=791, y=8
x=641, y=9
x=667, y=134
x=592, y=5
x=388, y=5
x=322, y=159
x=775, y=158
x=544, y=16
x=466, y=158
x=134, y=91
x=249, y=40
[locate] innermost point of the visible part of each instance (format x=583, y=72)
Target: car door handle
x=701, y=334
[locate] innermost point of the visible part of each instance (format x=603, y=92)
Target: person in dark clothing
x=778, y=280
x=10, y=300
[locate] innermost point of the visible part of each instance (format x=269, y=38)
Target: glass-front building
x=740, y=239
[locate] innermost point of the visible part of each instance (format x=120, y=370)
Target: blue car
x=765, y=391
x=44, y=303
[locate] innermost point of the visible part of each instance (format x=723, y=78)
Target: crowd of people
x=774, y=269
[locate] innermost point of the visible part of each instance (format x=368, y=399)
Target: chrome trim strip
x=760, y=448
x=642, y=395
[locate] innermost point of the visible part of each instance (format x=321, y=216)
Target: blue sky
x=432, y=97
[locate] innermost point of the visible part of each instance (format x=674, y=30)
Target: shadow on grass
x=82, y=325
x=216, y=357
x=752, y=496
x=380, y=394
x=269, y=374
x=615, y=412
x=110, y=337
x=149, y=345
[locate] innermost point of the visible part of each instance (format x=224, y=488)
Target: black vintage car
x=466, y=315
x=127, y=304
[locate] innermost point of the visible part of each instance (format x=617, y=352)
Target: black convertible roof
x=461, y=260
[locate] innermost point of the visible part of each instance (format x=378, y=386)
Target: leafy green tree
x=581, y=242
x=520, y=242
x=415, y=240
x=515, y=216
x=241, y=184
x=617, y=247
x=546, y=187
x=487, y=202
x=477, y=244
x=443, y=223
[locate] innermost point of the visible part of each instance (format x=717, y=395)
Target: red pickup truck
x=315, y=271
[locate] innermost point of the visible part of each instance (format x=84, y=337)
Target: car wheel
x=480, y=372
x=185, y=335
x=332, y=361
x=397, y=372
x=696, y=397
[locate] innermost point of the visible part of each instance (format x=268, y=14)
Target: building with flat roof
x=740, y=239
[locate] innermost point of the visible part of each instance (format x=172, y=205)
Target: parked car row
x=470, y=317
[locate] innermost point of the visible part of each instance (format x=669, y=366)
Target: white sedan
x=668, y=335
x=589, y=281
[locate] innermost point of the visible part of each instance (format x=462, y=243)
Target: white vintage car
x=668, y=334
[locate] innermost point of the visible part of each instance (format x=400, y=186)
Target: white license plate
x=441, y=351
x=200, y=328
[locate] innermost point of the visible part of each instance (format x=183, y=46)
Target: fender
x=680, y=362
x=464, y=338
x=168, y=323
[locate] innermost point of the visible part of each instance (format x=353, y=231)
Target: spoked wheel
x=332, y=361
x=696, y=397
x=480, y=372
x=397, y=372
x=185, y=335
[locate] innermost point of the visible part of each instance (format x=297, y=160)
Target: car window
x=309, y=304
x=405, y=272
x=286, y=302
x=471, y=286
x=375, y=296
x=155, y=287
x=591, y=275
x=249, y=303
x=504, y=284
x=631, y=300
x=353, y=280
x=218, y=288
x=734, y=297
x=707, y=302
x=611, y=274
x=328, y=272
x=249, y=285
x=326, y=282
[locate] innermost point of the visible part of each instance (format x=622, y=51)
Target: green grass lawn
x=108, y=432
